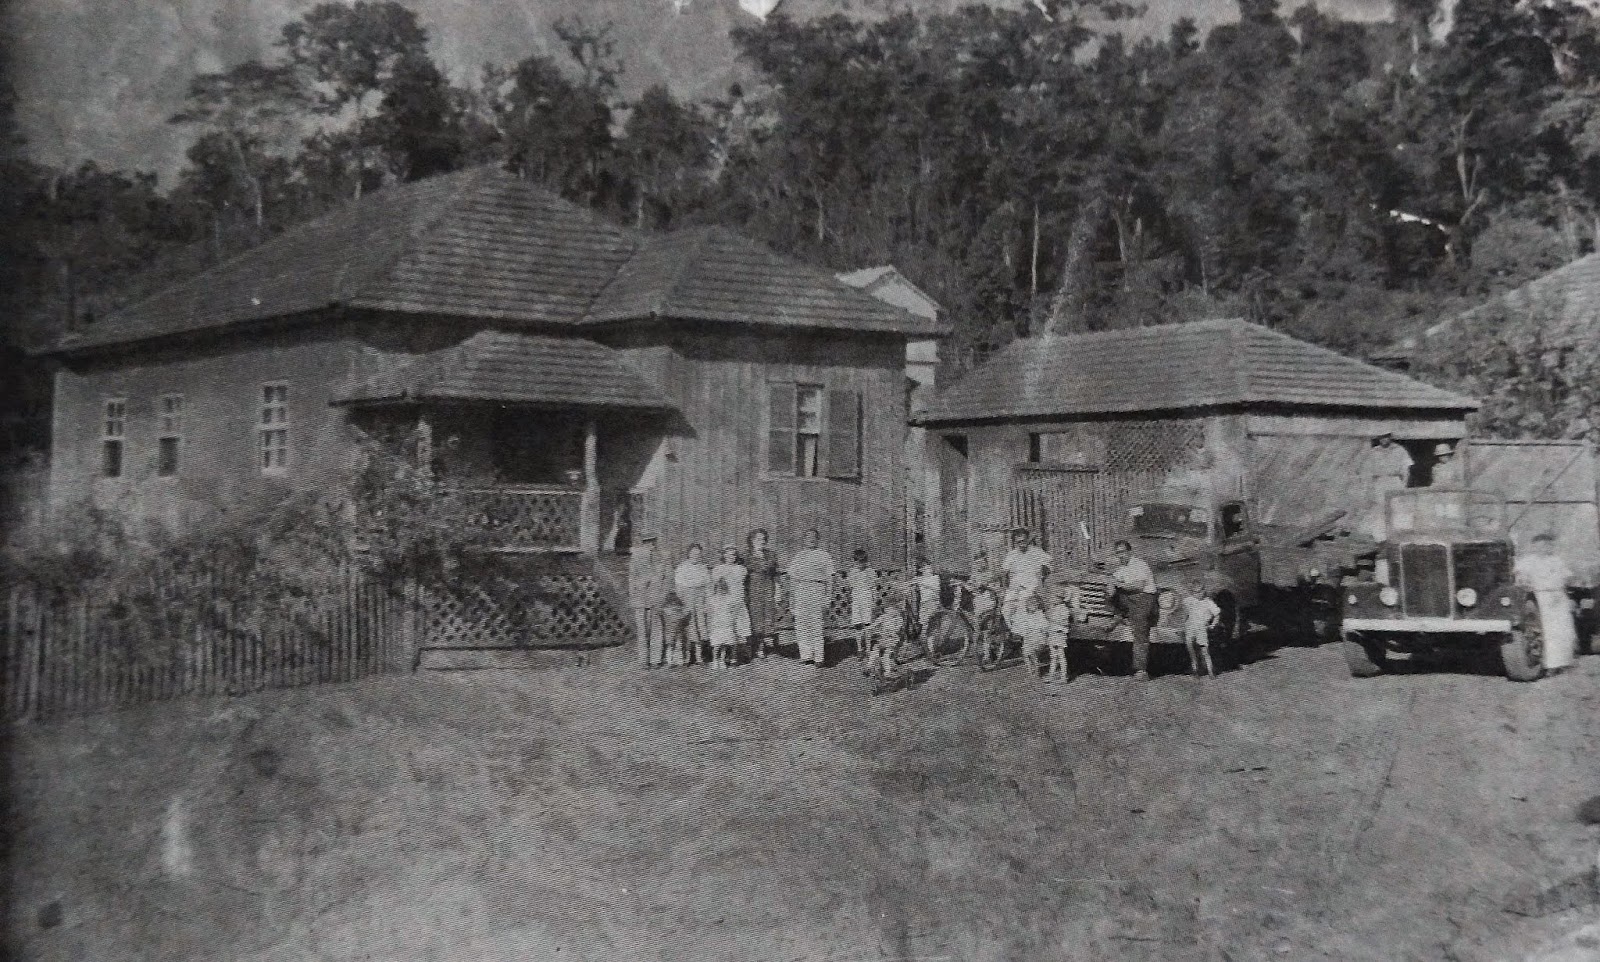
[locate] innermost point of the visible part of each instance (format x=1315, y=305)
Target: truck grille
x=1425, y=580
x=1482, y=566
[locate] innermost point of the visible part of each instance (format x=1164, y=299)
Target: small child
x=863, y=584
x=1033, y=628
x=929, y=588
x=727, y=621
x=675, y=618
x=1201, y=614
x=1061, y=615
x=883, y=636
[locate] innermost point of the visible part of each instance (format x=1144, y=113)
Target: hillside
x=98, y=81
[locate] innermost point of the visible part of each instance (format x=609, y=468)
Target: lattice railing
x=561, y=609
x=527, y=517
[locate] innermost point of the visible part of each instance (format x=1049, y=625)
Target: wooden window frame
x=840, y=432
x=114, y=437
x=273, y=432
x=171, y=409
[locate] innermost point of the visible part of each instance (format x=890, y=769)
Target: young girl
x=1201, y=614
x=727, y=621
x=929, y=588
x=863, y=583
x=883, y=636
x=675, y=620
x=733, y=571
x=1061, y=615
x=692, y=581
x=1033, y=628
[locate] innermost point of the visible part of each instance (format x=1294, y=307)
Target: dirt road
x=1285, y=811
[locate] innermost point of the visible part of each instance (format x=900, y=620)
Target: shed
x=1060, y=433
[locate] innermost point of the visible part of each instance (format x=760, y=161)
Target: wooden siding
x=710, y=483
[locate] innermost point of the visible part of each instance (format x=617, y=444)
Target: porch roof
x=513, y=368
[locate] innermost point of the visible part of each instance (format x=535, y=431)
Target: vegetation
x=1031, y=168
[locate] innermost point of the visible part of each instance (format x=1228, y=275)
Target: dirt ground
x=777, y=813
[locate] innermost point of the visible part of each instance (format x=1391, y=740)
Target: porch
x=540, y=444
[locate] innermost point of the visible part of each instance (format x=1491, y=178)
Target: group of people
x=730, y=611
x=727, y=612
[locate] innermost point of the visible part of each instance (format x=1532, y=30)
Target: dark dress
x=762, y=593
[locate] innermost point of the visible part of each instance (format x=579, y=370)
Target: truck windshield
x=1424, y=510
x=1170, y=519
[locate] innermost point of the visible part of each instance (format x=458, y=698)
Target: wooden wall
x=707, y=480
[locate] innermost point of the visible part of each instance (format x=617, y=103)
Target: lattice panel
x=1155, y=446
x=527, y=518
x=560, y=609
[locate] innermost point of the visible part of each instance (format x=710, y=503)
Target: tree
x=418, y=123
x=349, y=53
x=664, y=155
x=247, y=114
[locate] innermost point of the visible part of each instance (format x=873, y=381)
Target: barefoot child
x=675, y=631
x=727, y=621
x=1060, y=616
x=1033, y=628
x=883, y=637
x=1201, y=614
x=862, y=581
x=929, y=588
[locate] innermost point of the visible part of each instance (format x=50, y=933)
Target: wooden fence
x=77, y=652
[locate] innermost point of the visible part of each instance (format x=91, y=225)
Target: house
x=1062, y=433
x=887, y=284
x=567, y=371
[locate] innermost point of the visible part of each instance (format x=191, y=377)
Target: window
x=113, y=434
x=813, y=432
x=274, y=428
x=1035, y=448
x=1232, y=520
x=170, y=440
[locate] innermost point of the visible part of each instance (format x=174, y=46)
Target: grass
x=779, y=813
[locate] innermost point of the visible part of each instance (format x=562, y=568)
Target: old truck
x=1446, y=582
x=1285, y=578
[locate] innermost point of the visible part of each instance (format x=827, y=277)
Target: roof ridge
x=1393, y=377
x=465, y=180
x=697, y=245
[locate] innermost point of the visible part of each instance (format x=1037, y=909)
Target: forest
x=1031, y=168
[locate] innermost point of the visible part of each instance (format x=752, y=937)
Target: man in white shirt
x=1388, y=469
x=1136, y=599
x=1547, y=575
x=1025, y=566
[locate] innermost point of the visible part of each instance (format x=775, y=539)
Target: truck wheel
x=1365, y=658
x=1522, y=652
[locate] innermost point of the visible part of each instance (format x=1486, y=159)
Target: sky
x=96, y=79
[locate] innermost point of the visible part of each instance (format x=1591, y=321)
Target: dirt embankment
x=1282, y=812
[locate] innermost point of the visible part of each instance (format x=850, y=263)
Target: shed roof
x=484, y=244
x=515, y=368
x=714, y=274
x=1175, y=367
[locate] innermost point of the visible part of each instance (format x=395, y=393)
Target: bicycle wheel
x=948, y=637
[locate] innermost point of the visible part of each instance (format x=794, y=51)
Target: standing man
x=1546, y=574
x=810, y=583
x=647, y=584
x=1024, y=569
x=1136, y=598
x=1388, y=469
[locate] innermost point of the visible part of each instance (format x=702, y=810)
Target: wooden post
x=589, y=509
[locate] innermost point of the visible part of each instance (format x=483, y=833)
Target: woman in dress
x=810, y=582
x=692, y=581
x=732, y=571
x=761, y=590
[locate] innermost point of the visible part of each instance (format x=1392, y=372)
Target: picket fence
x=75, y=652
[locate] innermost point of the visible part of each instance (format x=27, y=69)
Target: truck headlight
x=1505, y=601
x=1389, y=596
x=1354, y=600
x=1466, y=597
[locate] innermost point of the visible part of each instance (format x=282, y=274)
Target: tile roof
x=512, y=367
x=481, y=243
x=1564, y=304
x=714, y=274
x=1175, y=367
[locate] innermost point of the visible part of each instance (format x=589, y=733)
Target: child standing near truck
x=863, y=583
x=1200, y=615
x=1060, y=616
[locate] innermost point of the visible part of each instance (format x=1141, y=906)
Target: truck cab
x=1444, y=580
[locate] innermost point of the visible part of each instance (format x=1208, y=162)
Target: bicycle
x=952, y=636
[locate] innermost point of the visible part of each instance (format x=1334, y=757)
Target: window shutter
x=844, y=434
x=780, y=428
